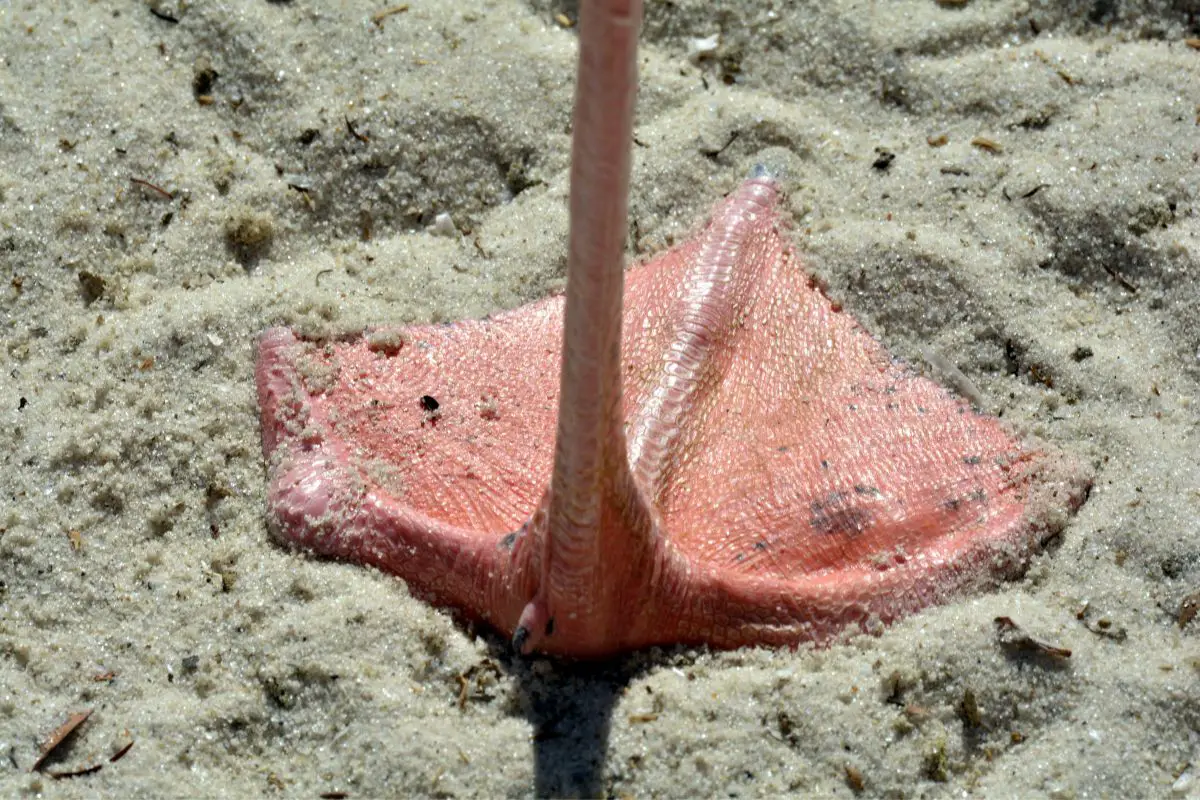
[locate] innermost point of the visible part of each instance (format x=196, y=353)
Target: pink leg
x=591, y=467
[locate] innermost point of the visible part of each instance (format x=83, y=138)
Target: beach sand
x=1006, y=187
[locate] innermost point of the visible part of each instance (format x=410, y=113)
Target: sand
x=1009, y=188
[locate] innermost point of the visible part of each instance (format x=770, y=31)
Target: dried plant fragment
x=58, y=736
x=1014, y=639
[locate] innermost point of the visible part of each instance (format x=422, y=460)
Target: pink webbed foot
x=785, y=478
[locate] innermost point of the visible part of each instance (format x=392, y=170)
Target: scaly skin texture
x=789, y=479
x=735, y=461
